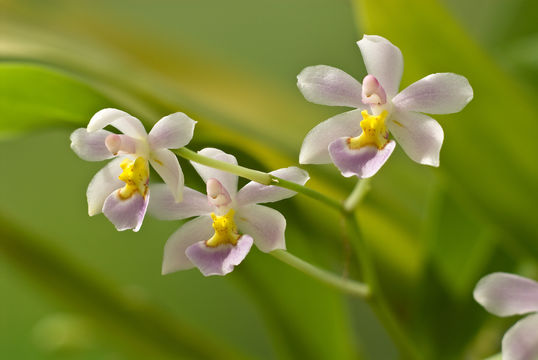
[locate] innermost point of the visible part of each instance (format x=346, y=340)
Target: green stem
x=306, y=191
x=348, y=286
x=257, y=176
x=358, y=193
x=377, y=299
x=254, y=175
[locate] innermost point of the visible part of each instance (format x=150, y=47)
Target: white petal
x=315, y=148
x=442, y=93
x=327, y=85
x=90, y=146
x=228, y=180
x=172, y=132
x=191, y=232
x=419, y=135
x=163, y=205
x=506, y=294
x=254, y=192
x=127, y=124
x=127, y=213
x=103, y=184
x=265, y=225
x=521, y=341
x=383, y=60
x=167, y=166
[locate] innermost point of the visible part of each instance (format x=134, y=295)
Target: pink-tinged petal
x=383, y=60
x=506, y=294
x=127, y=124
x=103, y=184
x=191, y=232
x=420, y=136
x=521, y=341
x=363, y=162
x=228, y=180
x=265, y=225
x=167, y=166
x=442, y=93
x=254, y=192
x=90, y=146
x=172, y=132
x=163, y=205
x=315, y=148
x=327, y=85
x=219, y=260
x=126, y=213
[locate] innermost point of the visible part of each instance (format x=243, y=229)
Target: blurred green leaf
x=459, y=243
x=34, y=97
x=442, y=326
x=144, y=329
x=459, y=246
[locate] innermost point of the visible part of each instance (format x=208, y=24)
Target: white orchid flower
x=120, y=190
x=506, y=294
x=358, y=141
x=228, y=222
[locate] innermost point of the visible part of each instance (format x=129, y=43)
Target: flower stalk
x=258, y=176
x=358, y=193
x=377, y=299
x=254, y=175
x=351, y=287
x=306, y=191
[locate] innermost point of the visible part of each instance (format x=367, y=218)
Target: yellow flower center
x=135, y=175
x=374, y=131
x=225, y=230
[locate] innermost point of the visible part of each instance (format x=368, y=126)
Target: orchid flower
x=357, y=141
x=120, y=190
x=228, y=222
x=507, y=294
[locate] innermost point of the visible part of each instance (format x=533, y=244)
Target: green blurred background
x=74, y=288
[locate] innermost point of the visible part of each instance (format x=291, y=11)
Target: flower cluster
x=228, y=222
x=224, y=223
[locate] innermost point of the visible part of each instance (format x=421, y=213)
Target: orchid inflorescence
x=358, y=143
x=227, y=222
